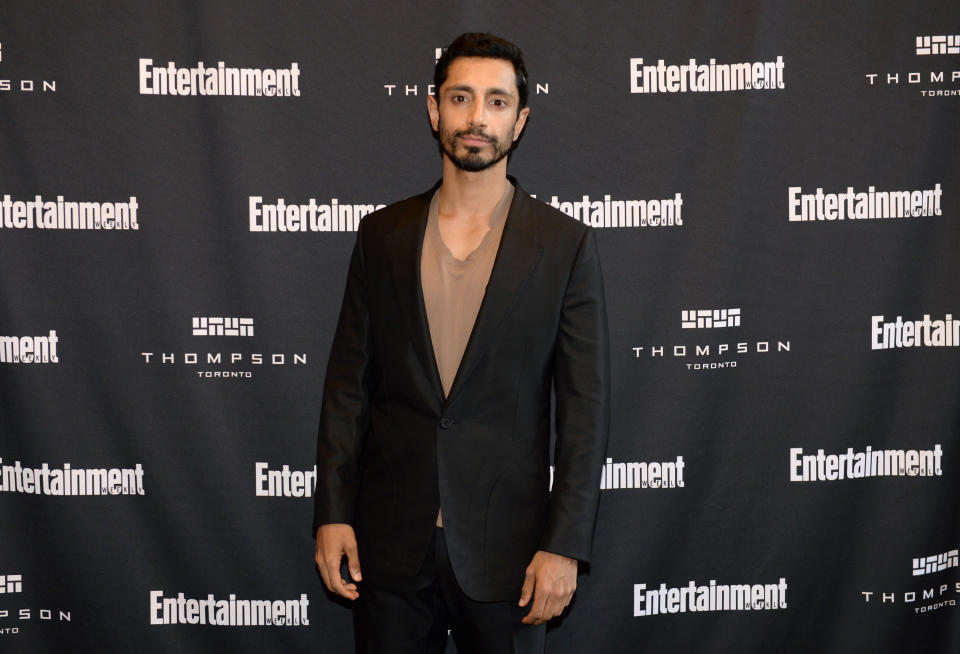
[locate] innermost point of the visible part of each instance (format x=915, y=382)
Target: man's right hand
x=333, y=541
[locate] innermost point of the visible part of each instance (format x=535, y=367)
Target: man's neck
x=470, y=196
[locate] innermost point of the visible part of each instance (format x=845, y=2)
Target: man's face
x=476, y=113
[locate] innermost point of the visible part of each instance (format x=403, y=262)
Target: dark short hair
x=477, y=44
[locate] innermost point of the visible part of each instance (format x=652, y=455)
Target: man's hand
x=551, y=580
x=333, y=541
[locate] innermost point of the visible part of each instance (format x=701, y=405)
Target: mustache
x=475, y=132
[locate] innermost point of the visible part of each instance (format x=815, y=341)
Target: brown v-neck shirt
x=453, y=289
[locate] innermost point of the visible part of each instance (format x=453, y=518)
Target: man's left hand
x=550, y=580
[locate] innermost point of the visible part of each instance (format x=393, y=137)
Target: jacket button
x=446, y=421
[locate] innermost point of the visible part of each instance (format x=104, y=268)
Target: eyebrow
x=470, y=89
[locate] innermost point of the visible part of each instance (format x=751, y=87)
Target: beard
x=472, y=158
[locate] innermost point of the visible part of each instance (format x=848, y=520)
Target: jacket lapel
x=404, y=245
x=517, y=257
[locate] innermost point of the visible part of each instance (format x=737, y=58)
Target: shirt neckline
x=497, y=221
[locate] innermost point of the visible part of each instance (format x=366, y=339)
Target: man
x=463, y=306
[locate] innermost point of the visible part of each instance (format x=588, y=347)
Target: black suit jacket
x=392, y=449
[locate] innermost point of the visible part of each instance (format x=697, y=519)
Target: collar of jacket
x=517, y=256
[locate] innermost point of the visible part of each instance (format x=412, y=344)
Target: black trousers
x=415, y=618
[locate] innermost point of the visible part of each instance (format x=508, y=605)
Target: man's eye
x=499, y=102
x=459, y=98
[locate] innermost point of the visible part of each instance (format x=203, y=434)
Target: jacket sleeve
x=345, y=409
x=582, y=388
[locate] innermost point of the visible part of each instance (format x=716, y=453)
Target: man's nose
x=478, y=113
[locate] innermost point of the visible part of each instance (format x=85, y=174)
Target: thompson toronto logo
x=230, y=612
x=902, y=333
x=220, y=326
x=666, y=212
x=694, y=598
x=30, y=349
x=713, y=355
x=938, y=45
x=71, y=215
x=282, y=216
x=926, y=565
x=238, y=363
x=866, y=463
x=921, y=600
x=709, y=318
x=11, y=584
x=934, y=79
x=204, y=79
x=709, y=77
x=869, y=205
x=8, y=85
x=65, y=480
x=14, y=584
x=423, y=89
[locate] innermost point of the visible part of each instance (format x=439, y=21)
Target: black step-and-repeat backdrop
x=775, y=188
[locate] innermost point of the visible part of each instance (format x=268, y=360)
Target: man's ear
x=521, y=121
x=434, y=112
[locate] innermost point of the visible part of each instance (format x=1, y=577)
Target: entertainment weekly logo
x=30, y=349
x=711, y=597
x=862, y=205
x=422, y=89
x=936, y=74
x=230, y=356
x=229, y=611
x=283, y=481
x=284, y=216
x=865, y=463
x=638, y=475
x=900, y=334
x=218, y=80
x=23, y=85
x=610, y=212
x=60, y=214
x=12, y=620
x=710, y=77
x=67, y=481
x=711, y=350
